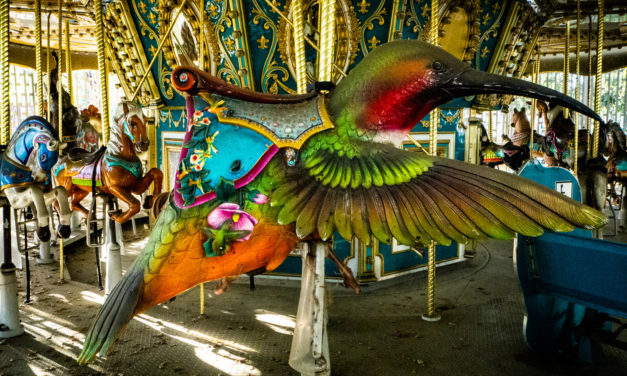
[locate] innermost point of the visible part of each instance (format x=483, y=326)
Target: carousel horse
x=617, y=162
x=71, y=117
x=516, y=151
x=88, y=137
x=560, y=130
x=114, y=170
x=25, y=174
x=491, y=153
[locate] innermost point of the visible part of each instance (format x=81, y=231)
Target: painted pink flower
x=205, y=121
x=198, y=167
x=197, y=114
x=260, y=198
x=242, y=221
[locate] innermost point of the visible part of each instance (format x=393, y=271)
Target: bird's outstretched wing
x=377, y=190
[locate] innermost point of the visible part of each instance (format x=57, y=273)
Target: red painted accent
x=402, y=105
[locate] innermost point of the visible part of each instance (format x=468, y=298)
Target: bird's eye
x=437, y=66
x=43, y=157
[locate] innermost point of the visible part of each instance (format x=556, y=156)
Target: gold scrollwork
x=348, y=32
x=190, y=14
x=126, y=54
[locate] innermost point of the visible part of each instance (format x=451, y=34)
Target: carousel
x=268, y=187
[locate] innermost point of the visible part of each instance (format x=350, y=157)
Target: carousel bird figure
x=260, y=172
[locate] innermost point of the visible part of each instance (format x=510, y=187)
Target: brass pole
x=102, y=70
x=5, y=117
x=599, y=78
x=48, y=66
x=577, y=64
x=536, y=78
x=68, y=60
x=566, y=64
x=312, y=44
x=589, y=93
x=202, y=298
x=38, y=67
x=157, y=52
x=327, y=39
x=299, y=46
x=201, y=38
x=490, y=130
x=433, y=142
x=60, y=119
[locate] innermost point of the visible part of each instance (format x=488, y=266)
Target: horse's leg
x=32, y=195
x=153, y=175
x=126, y=196
x=59, y=195
x=77, y=197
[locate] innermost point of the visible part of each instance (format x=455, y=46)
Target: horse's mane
x=117, y=131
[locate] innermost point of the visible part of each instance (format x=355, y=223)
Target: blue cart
x=574, y=286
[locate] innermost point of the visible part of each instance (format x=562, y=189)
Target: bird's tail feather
x=113, y=316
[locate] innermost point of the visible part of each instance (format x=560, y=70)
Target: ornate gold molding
x=191, y=13
x=126, y=54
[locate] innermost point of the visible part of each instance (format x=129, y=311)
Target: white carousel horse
x=25, y=174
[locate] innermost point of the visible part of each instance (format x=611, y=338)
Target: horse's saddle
x=80, y=165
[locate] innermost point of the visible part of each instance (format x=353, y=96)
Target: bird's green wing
x=370, y=189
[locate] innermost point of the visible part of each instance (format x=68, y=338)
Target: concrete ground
x=245, y=332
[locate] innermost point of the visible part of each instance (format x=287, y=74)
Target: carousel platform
x=244, y=332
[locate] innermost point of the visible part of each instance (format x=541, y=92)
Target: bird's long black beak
x=474, y=82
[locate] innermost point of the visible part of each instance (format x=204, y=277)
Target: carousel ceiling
x=250, y=43
x=82, y=26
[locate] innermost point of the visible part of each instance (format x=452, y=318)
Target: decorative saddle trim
x=134, y=167
x=214, y=151
x=14, y=175
x=285, y=124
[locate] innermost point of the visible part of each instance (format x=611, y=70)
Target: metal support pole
x=60, y=106
x=534, y=77
x=490, y=129
x=102, y=70
x=327, y=40
x=9, y=312
x=5, y=114
x=433, y=147
x=38, y=67
x=114, y=259
x=299, y=46
x=566, y=64
x=599, y=78
x=309, y=354
x=577, y=88
x=49, y=106
x=68, y=61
